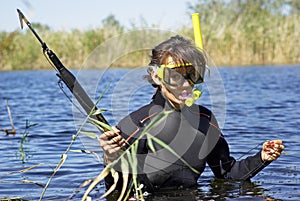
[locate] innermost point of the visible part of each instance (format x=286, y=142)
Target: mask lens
x=193, y=75
x=195, y=78
x=177, y=76
x=172, y=77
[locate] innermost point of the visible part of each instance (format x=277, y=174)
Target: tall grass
x=245, y=32
x=234, y=33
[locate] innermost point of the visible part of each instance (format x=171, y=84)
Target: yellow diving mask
x=170, y=74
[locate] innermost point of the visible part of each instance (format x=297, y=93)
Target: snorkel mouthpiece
x=195, y=96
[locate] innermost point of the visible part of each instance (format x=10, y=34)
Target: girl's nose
x=188, y=83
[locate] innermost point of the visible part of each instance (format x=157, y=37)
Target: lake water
x=252, y=104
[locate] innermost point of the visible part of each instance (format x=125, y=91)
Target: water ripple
x=262, y=103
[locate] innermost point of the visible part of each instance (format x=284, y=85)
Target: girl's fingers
x=114, y=140
x=274, y=143
x=109, y=146
x=281, y=147
x=106, y=135
x=277, y=141
x=272, y=150
x=113, y=149
x=109, y=136
x=111, y=141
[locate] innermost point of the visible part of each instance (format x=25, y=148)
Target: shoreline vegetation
x=235, y=33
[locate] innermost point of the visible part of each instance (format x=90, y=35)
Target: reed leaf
x=150, y=143
x=134, y=166
x=89, y=134
x=81, y=151
x=30, y=168
x=115, y=175
x=86, y=182
x=156, y=120
x=83, y=184
x=87, y=152
x=128, y=154
x=98, y=111
x=61, y=162
x=100, y=125
x=125, y=175
x=164, y=145
x=101, y=176
x=33, y=182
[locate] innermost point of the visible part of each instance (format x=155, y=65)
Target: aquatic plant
x=25, y=139
x=12, y=130
x=129, y=163
x=74, y=137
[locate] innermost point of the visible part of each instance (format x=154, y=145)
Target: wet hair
x=182, y=52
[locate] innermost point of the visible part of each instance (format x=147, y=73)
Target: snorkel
x=193, y=97
x=197, y=31
x=199, y=44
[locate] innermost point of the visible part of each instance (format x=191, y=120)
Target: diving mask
x=170, y=74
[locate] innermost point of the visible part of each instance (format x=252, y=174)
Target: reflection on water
x=262, y=103
x=214, y=189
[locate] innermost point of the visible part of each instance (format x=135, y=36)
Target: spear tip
x=20, y=17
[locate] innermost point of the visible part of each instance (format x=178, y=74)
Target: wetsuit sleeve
x=225, y=166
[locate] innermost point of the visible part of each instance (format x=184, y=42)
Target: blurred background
x=235, y=32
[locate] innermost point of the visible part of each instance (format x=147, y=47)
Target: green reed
x=24, y=139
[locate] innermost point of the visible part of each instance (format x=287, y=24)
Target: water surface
x=260, y=103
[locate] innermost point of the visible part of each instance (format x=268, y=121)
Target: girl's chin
x=177, y=103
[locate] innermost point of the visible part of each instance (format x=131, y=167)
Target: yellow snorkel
x=197, y=31
x=199, y=44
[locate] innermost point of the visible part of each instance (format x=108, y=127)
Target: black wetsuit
x=194, y=135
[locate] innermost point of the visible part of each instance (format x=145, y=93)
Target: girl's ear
x=155, y=77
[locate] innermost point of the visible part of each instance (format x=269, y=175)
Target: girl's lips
x=185, y=95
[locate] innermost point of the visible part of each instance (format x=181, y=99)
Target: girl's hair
x=181, y=50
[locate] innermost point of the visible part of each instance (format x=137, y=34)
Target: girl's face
x=177, y=94
x=175, y=85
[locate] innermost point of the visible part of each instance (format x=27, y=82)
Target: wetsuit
x=193, y=133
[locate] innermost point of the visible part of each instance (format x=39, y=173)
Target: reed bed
x=233, y=34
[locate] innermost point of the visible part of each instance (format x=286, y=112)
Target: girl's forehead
x=170, y=61
x=182, y=70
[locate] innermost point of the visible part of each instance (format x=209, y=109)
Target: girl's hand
x=111, y=143
x=271, y=150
